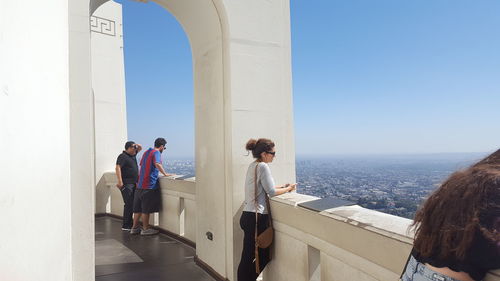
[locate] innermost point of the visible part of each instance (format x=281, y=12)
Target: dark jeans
x=246, y=269
x=128, y=191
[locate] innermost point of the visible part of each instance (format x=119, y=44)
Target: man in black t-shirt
x=127, y=173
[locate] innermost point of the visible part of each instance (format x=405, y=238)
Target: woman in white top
x=263, y=151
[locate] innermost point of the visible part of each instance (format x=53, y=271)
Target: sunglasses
x=273, y=153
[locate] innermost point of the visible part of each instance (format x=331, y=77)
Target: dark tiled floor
x=124, y=257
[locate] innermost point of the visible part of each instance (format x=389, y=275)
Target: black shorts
x=147, y=201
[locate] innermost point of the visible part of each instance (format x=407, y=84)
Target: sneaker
x=126, y=228
x=135, y=230
x=149, y=231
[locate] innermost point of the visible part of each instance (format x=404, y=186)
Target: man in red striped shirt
x=147, y=199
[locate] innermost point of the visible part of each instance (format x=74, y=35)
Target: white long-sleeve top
x=265, y=185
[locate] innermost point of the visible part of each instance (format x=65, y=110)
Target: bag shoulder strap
x=255, y=189
x=268, y=203
x=256, y=214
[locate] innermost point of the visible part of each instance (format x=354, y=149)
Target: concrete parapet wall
x=179, y=207
x=346, y=243
x=178, y=213
x=340, y=244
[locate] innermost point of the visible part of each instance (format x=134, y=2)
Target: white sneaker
x=149, y=231
x=135, y=230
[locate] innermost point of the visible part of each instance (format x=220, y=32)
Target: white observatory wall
x=81, y=143
x=108, y=84
x=242, y=77
x=35, y=191
x=259, y=56
x=261, y=77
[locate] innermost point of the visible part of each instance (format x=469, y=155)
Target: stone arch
x=243, y=90
x=205, y=25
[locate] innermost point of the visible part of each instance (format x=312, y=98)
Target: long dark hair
x=465, y=205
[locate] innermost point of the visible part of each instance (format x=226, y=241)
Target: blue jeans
x=416, y=271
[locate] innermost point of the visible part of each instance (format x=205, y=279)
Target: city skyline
x=395, y=185
x=368, y=78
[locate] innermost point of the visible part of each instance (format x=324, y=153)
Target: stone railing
x=340, y=244
x=345, y=243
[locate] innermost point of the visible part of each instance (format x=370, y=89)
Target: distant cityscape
x=183, y=167
x=393, y=184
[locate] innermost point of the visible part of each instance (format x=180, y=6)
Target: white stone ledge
x=385, y=224
x=362, y=241
x=355, y=230
x=326, y=248
x=294, y=198
x=187, y=185
x=110, y=178
x=382, y=257
x=173, y=193
x=388, y=225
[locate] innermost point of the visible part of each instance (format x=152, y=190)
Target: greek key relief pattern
x=102, y=25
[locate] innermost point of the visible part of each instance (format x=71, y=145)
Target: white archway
x=254, y=62
x=242, y=74
x=203, y=25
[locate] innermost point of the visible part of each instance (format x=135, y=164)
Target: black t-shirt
x=128, y=165
x=482, y=257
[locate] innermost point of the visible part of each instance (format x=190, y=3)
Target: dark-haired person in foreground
x=263, y=151
x=127, y=173
x=147, y=199
x=457, y=229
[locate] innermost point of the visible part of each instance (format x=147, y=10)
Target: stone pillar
x=260, y=100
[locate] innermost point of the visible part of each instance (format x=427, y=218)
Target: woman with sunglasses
x=263, y=151
x=458, y=228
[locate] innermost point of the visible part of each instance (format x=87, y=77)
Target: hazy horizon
x=445, y=155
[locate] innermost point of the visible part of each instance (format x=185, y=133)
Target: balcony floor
x=124, y=257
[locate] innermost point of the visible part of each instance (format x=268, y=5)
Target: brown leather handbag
x=265, y=239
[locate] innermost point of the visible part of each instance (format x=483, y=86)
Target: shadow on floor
x=125, y=257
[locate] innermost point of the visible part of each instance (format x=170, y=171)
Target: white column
x=261, y=97
x=81, y=143
x=35, y=199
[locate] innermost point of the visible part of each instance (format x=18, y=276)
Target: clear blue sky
x=384, y=76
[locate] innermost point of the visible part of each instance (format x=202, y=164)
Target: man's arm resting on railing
x=160, y=168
